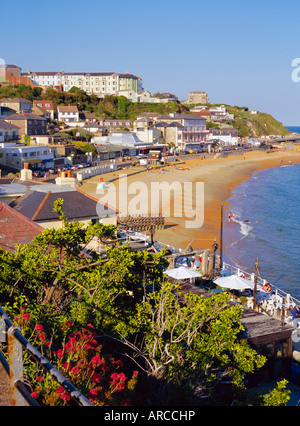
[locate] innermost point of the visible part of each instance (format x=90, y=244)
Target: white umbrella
x=234, y=282
x=182, y=273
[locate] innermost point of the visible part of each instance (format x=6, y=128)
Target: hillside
x=247, y=124
x=261, y=124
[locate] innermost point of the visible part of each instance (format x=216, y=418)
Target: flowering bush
x=98, y=376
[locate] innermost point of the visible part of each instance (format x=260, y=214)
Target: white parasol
x=234, y=282
x=182, y=273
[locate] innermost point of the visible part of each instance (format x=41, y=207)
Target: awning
x=32, y=161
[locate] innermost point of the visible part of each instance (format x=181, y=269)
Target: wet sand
x=219, y=175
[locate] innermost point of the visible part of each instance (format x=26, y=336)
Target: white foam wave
x=245, y=228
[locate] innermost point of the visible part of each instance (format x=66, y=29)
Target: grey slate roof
x=38, y=206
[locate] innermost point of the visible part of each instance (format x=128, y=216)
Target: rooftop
x=17, y=228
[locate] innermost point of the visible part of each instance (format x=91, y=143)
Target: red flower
x=68, y=324
x=60, y=389
x=96, y=378
x=34, y=395
x=120, y=363
x=75, y=370
x=39, y=379
x=66, y=397
x=59, y=353
x=26, y=316
x=96, y=360
x=93, y=393
x=39, y=327
x=42, y=336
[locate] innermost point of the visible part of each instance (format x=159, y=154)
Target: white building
x=97, y=83
x=15, y=155
x=67, y=113
x=224, y=136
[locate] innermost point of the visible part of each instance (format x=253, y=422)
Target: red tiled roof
x=15, y=228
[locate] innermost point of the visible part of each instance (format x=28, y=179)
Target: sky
x=239, y=52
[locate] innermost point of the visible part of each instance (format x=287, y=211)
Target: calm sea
x=267, y=208
x=294, y=129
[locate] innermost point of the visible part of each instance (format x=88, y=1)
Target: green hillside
x=247, y=124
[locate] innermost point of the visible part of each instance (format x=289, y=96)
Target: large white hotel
x=98, y=83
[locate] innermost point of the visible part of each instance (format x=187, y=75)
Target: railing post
x=15, y=353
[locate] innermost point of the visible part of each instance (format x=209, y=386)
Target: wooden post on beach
x=255, y=283
x=221, y=239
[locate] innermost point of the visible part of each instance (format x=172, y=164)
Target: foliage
x=190, y=340
x=176, y=339
x=81, y=361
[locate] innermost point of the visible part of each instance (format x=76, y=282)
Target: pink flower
x=39, y=327
x=34, y=395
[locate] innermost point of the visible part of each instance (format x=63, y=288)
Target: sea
x=267, y=226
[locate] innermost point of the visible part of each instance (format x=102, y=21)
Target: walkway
x=5, y=399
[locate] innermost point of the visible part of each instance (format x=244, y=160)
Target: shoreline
x=219, y=175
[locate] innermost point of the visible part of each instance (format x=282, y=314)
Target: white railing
x=260, y=281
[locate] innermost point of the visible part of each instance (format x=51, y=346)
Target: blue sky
x=239, y=52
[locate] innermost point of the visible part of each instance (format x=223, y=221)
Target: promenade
x=5, y=399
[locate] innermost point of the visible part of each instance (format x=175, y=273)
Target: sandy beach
x=219, y=176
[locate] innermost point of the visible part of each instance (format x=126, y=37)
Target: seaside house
x=46, y=106
x=14, y=156
x=8, y=132
x=28, y=123
x=228, y=136
x=67, y=114
x=185, y=131
x=16, y=104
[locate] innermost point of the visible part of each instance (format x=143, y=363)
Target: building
x=37, y=205
x=184, y=131
x=8, y=132
x=67, y=113
x=197, y=98
x=88, y=117
x=220, y=114
x=14, y=156
x=97, y=83
x=203, y=112
x=28, y=123
x=114, y=124
x=16, y=104
x=46, y=105
x=228, y=136
x=18, y=229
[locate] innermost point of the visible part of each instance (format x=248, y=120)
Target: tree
x=179, y=340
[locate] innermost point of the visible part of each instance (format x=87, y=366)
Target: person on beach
x=229, y=216
x=295, y=314
x=267, y=288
